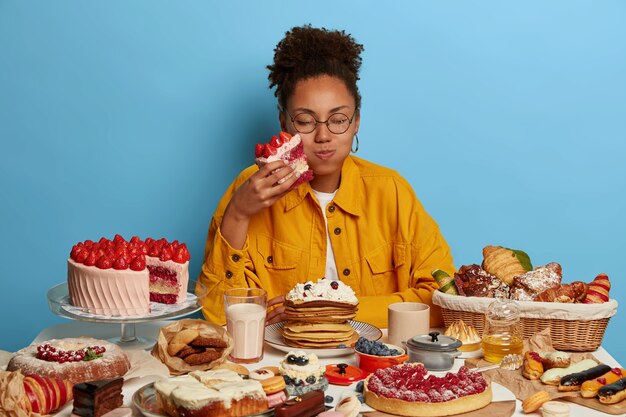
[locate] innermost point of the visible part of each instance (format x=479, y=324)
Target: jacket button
x=229, y=274
x=346, y=272
x=270, y=259
x=331, y=209
x=235, y=257
x=337, y=230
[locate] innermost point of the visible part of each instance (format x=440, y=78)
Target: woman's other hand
x=278, y=312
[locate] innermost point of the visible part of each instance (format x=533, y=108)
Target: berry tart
x=120, y=278
x=407, y=390
x=302, y=373
x=290, y=150
x=75, y=360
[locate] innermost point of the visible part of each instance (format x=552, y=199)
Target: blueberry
x=341, y=346
x=359, y=386
x=288, y=380
x=292, y=359
x=301, y=360
x=310, y=379
x=328, y=399
x=360, y=398
x=307, y=287
x=334, y=285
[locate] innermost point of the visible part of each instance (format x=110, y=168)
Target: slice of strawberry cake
x=290, y=150
x=120, y=278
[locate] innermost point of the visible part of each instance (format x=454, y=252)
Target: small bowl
x=371, y=363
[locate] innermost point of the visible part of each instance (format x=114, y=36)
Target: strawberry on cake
x=407, y=390
x=290, y=150
x=120, y=278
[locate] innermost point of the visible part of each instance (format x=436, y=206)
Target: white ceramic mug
x=406, y=320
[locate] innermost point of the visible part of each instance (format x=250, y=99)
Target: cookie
x=535, y=401
x=240, y=369
x=273, y=384
x=349, y=406
x=208, y=355
x=261, y=375
x=180, y=340
x=213, y=342
x=189, y=350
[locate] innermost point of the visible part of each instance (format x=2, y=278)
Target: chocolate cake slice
x=96, y=398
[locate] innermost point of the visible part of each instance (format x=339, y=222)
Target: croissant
x=505, y=263
x=564, y=293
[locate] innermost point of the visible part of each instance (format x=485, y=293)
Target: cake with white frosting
x=120, y=278
x=220, y=393
x=302, y=372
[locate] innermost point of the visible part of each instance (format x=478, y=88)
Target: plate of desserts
x=324, y=341
x=319, y=316
x=145, y=399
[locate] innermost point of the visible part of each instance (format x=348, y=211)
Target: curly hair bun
x=307, y=52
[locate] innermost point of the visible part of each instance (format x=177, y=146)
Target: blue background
x=508, y=118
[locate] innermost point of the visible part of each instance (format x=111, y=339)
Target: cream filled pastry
x=302, y=373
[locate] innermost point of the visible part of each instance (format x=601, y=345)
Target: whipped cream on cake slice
x=290, y=150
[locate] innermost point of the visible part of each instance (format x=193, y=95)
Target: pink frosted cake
x=290, y=150
x=120, y=278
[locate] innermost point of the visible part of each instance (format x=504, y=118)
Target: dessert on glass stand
x=126, y=282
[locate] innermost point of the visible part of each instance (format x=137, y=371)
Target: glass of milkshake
x=245, y=321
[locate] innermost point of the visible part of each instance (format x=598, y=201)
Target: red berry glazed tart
x=407, y=390
x=120, y=278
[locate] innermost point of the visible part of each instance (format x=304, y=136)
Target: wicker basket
x=573, y=327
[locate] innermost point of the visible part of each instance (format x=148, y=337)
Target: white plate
x=274, y=338
x=145, y=401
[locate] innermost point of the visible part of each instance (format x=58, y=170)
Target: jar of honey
x=502, y=334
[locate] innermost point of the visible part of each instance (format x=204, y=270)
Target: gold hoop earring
x=353, y=149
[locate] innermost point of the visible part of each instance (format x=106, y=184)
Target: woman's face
x=322, y=97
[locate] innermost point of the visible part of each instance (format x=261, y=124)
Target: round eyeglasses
x=337, y=123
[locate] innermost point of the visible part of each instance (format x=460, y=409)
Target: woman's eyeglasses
x=337, y=123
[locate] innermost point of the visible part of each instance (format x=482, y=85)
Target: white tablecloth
x=271, y=357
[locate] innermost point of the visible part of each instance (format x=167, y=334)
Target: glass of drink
x=245, y=321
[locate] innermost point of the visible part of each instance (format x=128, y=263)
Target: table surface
x=271, y=357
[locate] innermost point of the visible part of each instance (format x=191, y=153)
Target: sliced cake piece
x=290, y=150
x=168, y=266
x=96, y=398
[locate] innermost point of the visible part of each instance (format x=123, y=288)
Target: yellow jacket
x=385, y=244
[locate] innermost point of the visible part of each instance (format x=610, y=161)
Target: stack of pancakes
x=319, y=324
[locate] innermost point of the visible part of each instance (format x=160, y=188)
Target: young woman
x=355, y=221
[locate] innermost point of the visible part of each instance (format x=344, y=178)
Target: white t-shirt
x=331, y=267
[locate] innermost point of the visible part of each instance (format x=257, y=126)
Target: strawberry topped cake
x=408, y=390
x=120, y=278
x=290, y=150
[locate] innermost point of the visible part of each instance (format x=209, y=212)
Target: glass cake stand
x=59, y=304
